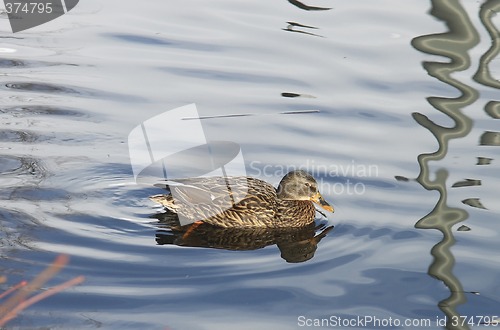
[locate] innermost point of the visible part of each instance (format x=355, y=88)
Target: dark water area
x=392, y=108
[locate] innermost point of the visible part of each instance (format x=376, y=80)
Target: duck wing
x=210, y=190
x=223, y=201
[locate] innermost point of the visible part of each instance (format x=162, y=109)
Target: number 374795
x=28, y=7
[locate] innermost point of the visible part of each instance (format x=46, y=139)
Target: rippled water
x=405, y=146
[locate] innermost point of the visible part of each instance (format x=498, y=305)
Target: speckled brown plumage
x=245, y=202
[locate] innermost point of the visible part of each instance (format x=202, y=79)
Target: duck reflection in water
x=296, y=244
x=250, y=215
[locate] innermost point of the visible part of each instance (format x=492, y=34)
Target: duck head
x=300, y=185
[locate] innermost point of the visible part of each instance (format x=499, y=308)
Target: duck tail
x=165, y=200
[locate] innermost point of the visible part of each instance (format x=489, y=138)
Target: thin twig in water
x=18, y=302
x=14, y=288
x=25, y=304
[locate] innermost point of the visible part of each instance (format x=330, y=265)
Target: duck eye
x=308, y=184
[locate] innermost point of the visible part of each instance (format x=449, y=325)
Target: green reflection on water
x=483, y=75
x=455, y=45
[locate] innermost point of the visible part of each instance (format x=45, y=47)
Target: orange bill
x=318, y=199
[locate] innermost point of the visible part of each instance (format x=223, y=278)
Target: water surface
x=406, y=112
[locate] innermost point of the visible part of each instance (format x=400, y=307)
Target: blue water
x=73, y=89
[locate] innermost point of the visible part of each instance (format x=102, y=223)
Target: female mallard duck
x=244, y=202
